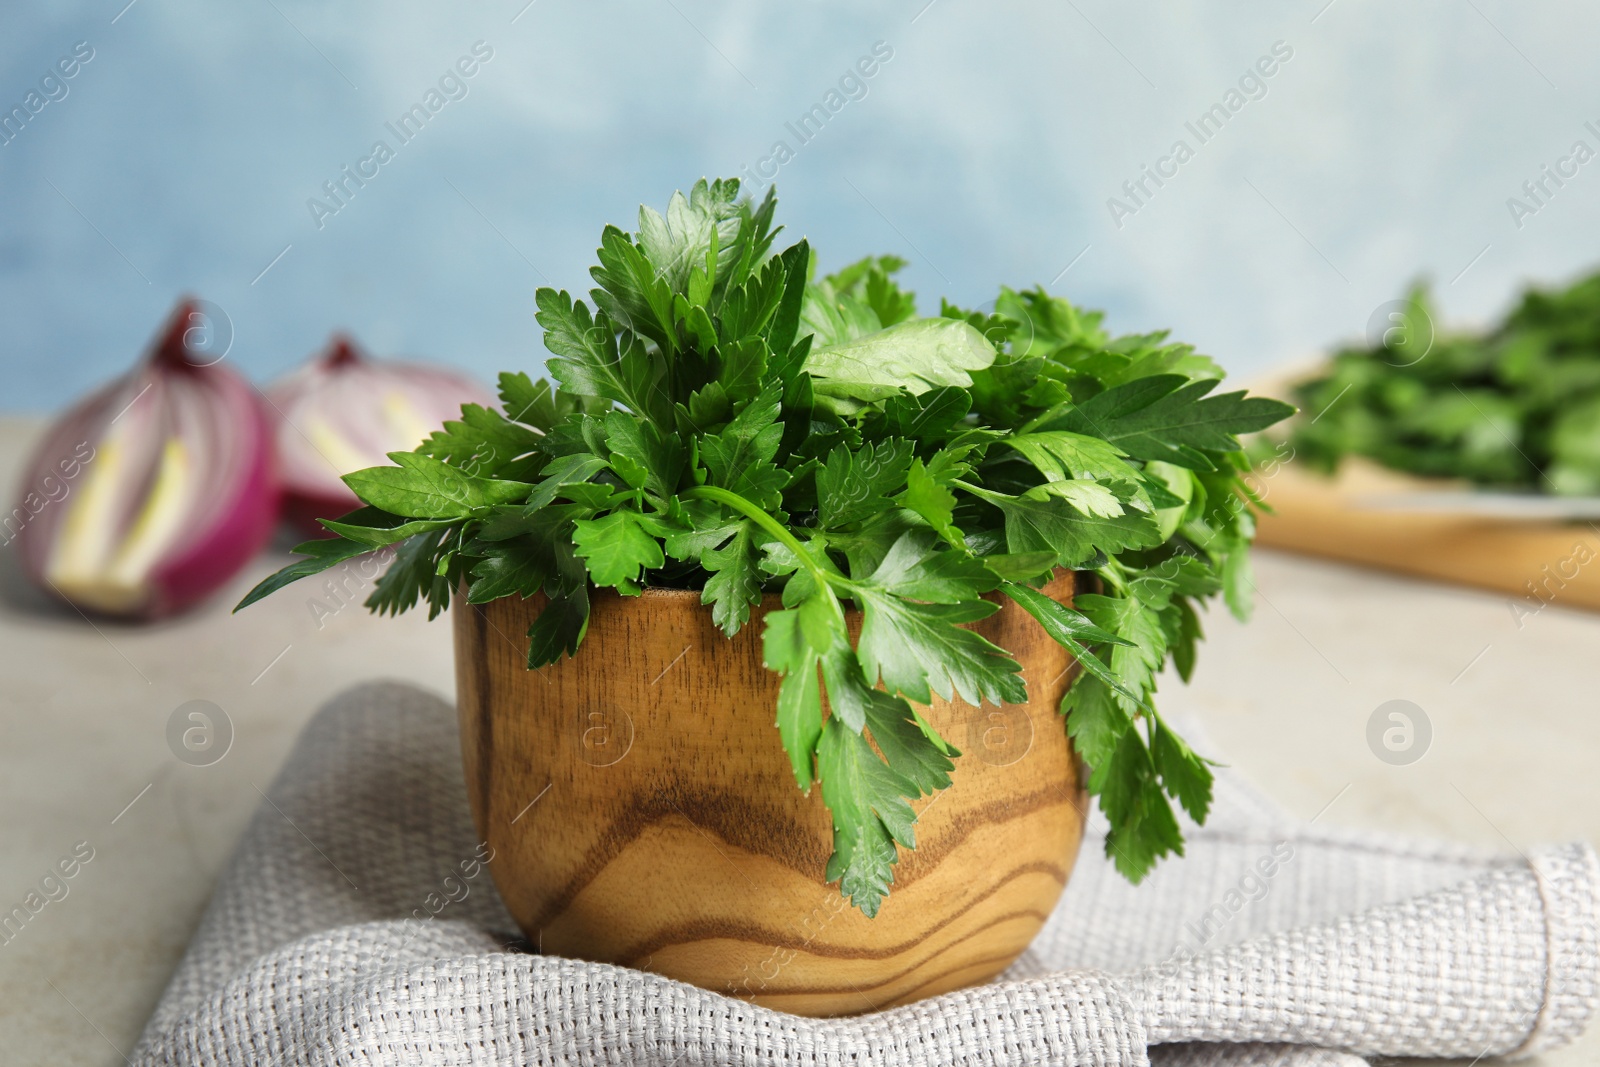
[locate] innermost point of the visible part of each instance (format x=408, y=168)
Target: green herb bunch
x=1516, y=405
x=723, y=423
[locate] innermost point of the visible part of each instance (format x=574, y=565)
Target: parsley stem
x=979, y=492
x=766, y=522
x=1113, y=575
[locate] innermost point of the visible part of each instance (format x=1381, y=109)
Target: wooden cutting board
x=1534, y=564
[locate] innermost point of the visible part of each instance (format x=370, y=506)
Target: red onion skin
x=249, y=519
x=79, y=426
x=305, y=500
x=241, y=524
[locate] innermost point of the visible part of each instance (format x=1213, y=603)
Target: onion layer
x=154, y=491
x=342, y=412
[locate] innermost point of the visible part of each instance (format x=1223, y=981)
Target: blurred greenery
x=1514, y=406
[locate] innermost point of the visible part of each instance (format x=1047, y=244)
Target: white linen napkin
x=347, y=931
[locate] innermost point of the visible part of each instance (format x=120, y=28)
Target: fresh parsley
x=722, y=420
x=1516, y=405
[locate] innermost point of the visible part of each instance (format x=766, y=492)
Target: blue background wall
x=183, y=155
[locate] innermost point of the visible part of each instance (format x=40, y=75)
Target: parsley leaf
x=1135, y=661
x=412, y=576
x=533, y=403
x=1040, y=521
x=1163, y=417
x=870, y=814
x=852, y=486
x=739, y=457
x=427, y=488
x=509, y=567
x=793, y=643
x=484, y=442
x=735, y=583
x=588, y=359
x=1096, y=720
x=658, y=459
x=912, y=357
x=1184, y=774
x=912, y=752
x=930, y=498
x=559, y=628
x=919, y=649
x=928, y=416
x=1143, y=828
x=1061, y=454
x=914, y=567
x=320, y=555
x=617, y=549
x=375, y=528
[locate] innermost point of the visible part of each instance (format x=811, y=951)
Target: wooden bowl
x=642, y=811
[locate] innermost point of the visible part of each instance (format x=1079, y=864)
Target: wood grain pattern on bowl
x=642, y=811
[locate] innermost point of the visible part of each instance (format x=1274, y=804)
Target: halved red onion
x=155, y=490
x=342, y=412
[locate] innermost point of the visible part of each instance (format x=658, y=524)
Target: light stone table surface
x=1286, y=699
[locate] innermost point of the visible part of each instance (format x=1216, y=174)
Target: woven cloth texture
x=1353, y=946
